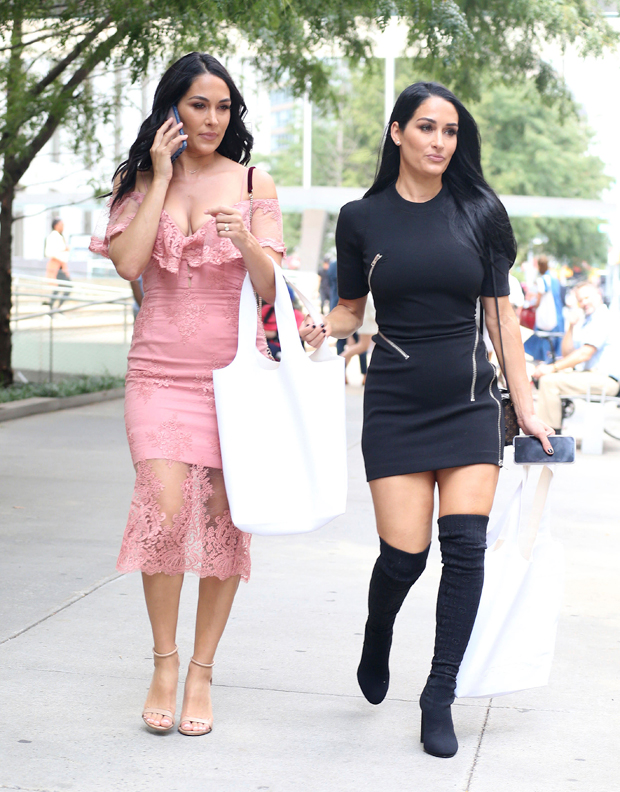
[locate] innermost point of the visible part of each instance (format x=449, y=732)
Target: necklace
x=194, y=171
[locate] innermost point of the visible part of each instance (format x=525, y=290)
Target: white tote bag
x=546, y=314
x=282, y=427
x=512, y=643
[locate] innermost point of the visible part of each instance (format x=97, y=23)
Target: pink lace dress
x=179, y=519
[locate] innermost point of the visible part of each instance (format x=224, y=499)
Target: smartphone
x=529, y=450
x=174, y=113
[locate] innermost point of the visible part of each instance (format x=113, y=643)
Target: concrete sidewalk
x=75, y=646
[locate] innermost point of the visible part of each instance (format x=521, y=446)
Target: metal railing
x=100, y=330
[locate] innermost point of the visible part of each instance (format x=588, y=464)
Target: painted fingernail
x=323, y=331
x=314, y=327
x=550, y=450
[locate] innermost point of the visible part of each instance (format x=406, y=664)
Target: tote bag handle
x=508, y=525
x=285, y=318
x=536, y=525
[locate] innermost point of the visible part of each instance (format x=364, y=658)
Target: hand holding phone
x=529, y=450
x=174, y=114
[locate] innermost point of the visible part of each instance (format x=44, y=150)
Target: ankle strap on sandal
x=202, y=665
x=166, y=654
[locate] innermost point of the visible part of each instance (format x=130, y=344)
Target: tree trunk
x=6, y=239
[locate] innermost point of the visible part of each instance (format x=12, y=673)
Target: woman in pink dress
x=189, y=228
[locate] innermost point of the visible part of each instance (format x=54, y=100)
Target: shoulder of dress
x=268, y=206
x=356, y=215
x=355, y=209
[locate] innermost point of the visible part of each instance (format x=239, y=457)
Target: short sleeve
x=596, y=332
x=113, y=221
x=501, y=271
x=352, y=283
x=267, y=224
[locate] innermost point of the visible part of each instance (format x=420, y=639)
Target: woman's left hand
x=230, y=225
x=313, y=333
x=532, y=425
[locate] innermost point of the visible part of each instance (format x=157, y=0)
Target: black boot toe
x=373, y=673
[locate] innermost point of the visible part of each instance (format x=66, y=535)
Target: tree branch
x=27, y=43
x=68, y=60
x=18, y=167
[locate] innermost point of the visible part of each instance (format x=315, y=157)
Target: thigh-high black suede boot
x=462, y=538
x=394, y=573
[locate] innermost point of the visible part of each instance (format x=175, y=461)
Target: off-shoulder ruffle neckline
x=173, y=222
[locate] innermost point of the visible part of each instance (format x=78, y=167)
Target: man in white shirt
x=57, y=253
x=590, y=359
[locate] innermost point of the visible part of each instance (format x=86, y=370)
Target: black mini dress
x=431, y=399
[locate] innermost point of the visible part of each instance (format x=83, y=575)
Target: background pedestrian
x=57, y=254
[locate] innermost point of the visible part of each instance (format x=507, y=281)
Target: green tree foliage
x=532, y=147
x=50, y=48
x=346, y=133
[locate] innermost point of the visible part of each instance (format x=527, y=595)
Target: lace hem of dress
x=179, y=522
x=102, y=246
x=279, y=247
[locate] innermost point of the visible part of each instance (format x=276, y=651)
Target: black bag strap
x=499, y=323
x=250, y=177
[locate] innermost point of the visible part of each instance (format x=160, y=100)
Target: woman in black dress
x=429, y=238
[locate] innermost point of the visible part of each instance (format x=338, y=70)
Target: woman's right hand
x=314, y=334
x=167, y=141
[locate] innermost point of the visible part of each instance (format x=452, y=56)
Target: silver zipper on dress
x=474, y=366
x=373, y=264
x=499, y=415
x=392, y=344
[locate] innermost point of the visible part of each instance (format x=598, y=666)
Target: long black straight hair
x=478, y=213
x=236, y=143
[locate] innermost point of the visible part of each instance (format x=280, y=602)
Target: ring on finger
x=226, y=227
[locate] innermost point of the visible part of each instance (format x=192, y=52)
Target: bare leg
x=214, y=604
x=357, y=348
x=467, y=490
x=404, y=509
x=162, y=593
x=215, y=601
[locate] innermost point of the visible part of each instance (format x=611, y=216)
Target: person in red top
x=271, y=328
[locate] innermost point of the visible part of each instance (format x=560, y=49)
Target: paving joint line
x=477, y=754
x=27, y=789
x=67, y=604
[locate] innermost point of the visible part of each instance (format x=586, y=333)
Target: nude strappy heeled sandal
x=157, y=710
x=207, y=723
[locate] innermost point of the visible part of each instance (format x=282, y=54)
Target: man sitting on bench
x=590, y=359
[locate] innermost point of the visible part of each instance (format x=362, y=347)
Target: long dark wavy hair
x=236, y=143
x=478, y=213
